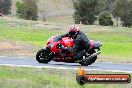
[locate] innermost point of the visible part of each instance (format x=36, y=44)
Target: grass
x=23, y=32
x=61, y=19
x=117, y=41
x=16, y=77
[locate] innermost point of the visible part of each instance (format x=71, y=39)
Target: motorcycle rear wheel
x=89, y=62
x=43, y=56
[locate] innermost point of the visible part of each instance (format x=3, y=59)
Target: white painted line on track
x=65, y=68
x=2, y=56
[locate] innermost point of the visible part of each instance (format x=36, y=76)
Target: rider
x=81, y=42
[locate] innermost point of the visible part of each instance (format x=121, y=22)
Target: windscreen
x=57, y=38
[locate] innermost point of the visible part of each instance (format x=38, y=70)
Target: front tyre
x=43, y=56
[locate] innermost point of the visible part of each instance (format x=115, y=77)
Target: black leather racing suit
x=81, y=44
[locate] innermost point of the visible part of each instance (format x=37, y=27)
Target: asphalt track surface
x=31, y=62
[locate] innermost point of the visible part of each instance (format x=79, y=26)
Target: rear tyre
x=43, y=56
x=91, y=61
x=84, y=64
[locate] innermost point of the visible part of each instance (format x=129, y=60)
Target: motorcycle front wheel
x=44, y=56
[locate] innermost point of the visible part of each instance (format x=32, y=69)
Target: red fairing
x=50, y=40
x=66, y=42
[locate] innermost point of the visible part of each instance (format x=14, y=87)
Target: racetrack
x=29, y=62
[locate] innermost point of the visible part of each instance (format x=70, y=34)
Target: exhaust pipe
x=92, y=56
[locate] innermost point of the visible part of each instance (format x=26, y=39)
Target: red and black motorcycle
x=55, y=51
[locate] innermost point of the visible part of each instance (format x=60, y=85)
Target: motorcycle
x=55, y=51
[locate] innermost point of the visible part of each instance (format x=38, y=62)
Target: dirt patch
x=10, y=48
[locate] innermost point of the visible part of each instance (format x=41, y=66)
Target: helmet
x=73, y=31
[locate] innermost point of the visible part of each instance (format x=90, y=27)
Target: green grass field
x=117, y=41
x=16, y=77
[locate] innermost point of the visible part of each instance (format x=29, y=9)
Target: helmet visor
x=72, y=33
